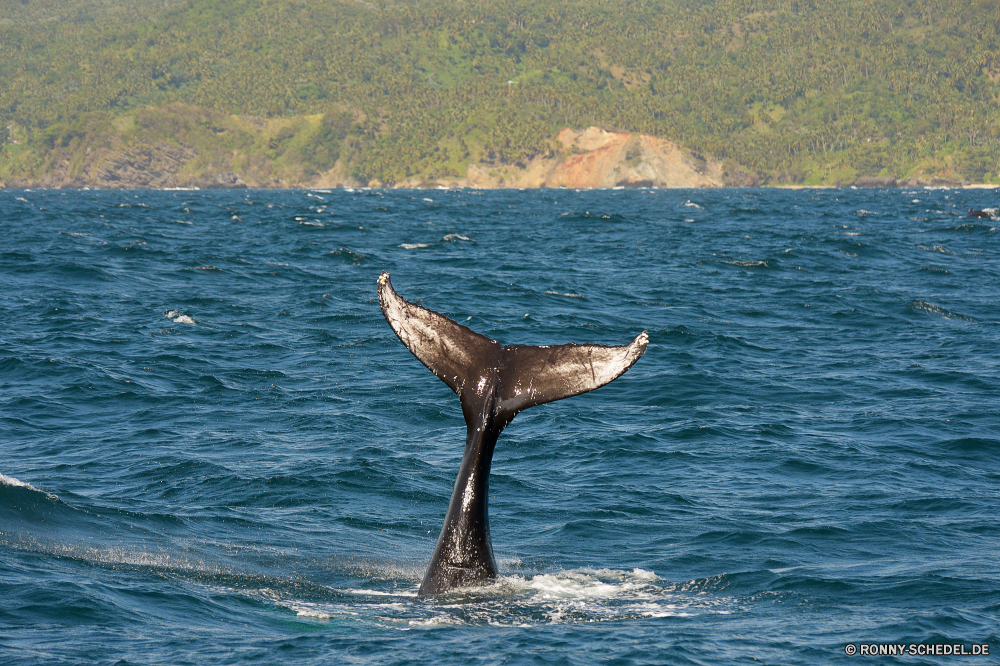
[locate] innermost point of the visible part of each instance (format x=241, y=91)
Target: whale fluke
x=493, y=383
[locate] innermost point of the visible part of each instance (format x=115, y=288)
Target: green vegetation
x=796, y=91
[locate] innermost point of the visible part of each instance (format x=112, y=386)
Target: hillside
x=285, y=92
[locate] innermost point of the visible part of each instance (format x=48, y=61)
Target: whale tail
x=493, y=382
x=527, y=375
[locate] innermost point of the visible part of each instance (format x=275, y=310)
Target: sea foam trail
x=569, y=597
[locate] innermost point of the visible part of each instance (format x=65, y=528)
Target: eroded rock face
x=228, y=181
x=597, y=158
x=152, y=167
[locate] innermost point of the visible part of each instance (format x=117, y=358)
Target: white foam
x=564, y=597
x=452, y=237
x=587, y=584
x=437, y=621
x=17, y=483
x=746, y=264
x=561, y=587
x=178, y=318
x=642, y=574
x=559, y=293
x=377, y=593
x=413, y=246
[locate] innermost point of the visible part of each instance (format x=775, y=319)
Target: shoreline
x=431, y=188
x=587, y=158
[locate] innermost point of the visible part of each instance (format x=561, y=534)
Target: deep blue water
x=215, y=451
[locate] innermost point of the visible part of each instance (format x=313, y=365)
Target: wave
x=11, y=482
x=762, y=263
x=972, y=226
x=348, y=257
x=936, y=248
x=930, y=308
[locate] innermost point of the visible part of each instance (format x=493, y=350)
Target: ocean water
x=213, y=449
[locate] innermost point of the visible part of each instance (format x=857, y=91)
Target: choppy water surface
x=215, y=451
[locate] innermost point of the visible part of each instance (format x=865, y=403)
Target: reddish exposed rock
x=597, y=158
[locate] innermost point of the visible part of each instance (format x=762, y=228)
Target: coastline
x=590, y=158
x=425, y=187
